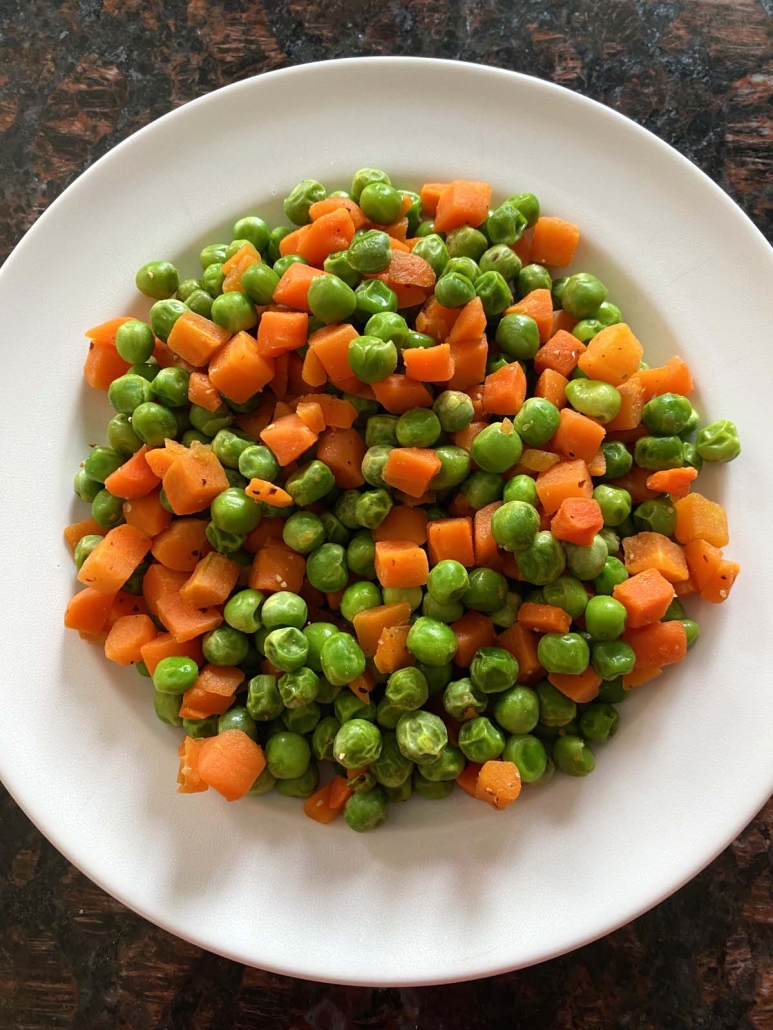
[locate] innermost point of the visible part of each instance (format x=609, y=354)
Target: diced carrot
x=313, y=373
x=410, y=270
x=194, y=480
x=662, y=643
x=471, y=323
x=220, y=679
x=126, y=638
x=327, y=234
x=340, y=792
x=430, y=194
x=292, y=290
x=504, y=391
x=147, y=513
x=87, y=527
x=211, y=581
x=577, y=435
x=184, y=621
x=635, y=482
x=281, y=377
x=263, y=491
x=429, y=364
x=685, y=587
x=499, y=784
x=430, y=497
x=277, y=567
x=522, y=644
x=560, y=354
x=114, y=559
x=473, y=631
x=317, y=806
x=646, y=550
x=202, y=391
x=398, y=394
x=161, y=459
x=613, y=355
x=102, y=366
x=159, y=581
x=288, y=438
x=554, y=242
x=435, y=320
x=719, y=585
x=462, y=203
x=181, y=546
x=103, y=335
x=392, y=651
x=165, y=646
x=486, y=548
x=198, y=704
x=331, y=345
x=281, y=331
x=134, y=478
x=267, y=531
x=581, y=688
x=188, y=773
x=401, y=563
x=451, y=538
x=87, y=611
x=362, y=685
x=124, y=604
x=469, y=358
x=311, y=413
x=672, y=481
x=673, y=377
x=562, y=480
x=324, y=207
x=195, y=338
x=403, y=523
x=544, y=618
x=342, y=450
x=537, y=305
x=336, y=412
x=552, y=386
x=698, y=518
x=230, y=763
x=645, y=597
x=411, y=469
x=563, y=320
x=235, y=267
x=703, y=560
x=371, y=622
x=631, y=404
x=468, y=778
x=639, y=676
x=578, y=520
x=239, y=370
x=597, y=466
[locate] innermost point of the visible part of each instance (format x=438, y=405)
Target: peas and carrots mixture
x=386, y=491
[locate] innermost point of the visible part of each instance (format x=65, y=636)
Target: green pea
x=431, y=790
x=612, y=658
x=528, y=755
x=493, y=670
x=533, y=277
x=527, y=204
x=234, y=512
x=659, y=452
x=692, y=629
x=370, y=252
x=494, y=293
x=253, y=229
x=373, y=465
x=300, y=199
x=494, y=364
x=557, y=291
x=361, y=555
x=441, y=612
x=691, y=456
x=223, y=541
x=505, y=225
x=454, y=290
x=200, y=302
x=310, y=483
x=170, y=387
x=537, y=421
x=414, y=339
x=505, y=616
x=381, y=203
x=286, y=648
x=323, y=737
x=134, y=342
x=605, y=618
x=448, y=581
x=445, y=768
x=518, y=337
x=342, y=660
x=259, y=282
x=242, y=612
x=84, y=547
x=543, y=560
x=234, y=312
x=163, y=316
x=298, y=688
x=238, y=718
x=326, y=568
x=482, y=488
x=153, y=423
x=463, y=701
x=573, y=756
x=357, y=743
x=391, y=768
x=599, y=723
x=366, y=810
x=565, y=653
x=275, y=238
x=381, y=430
x=175, y=675
x=211, y=422
x=281, y=266
x=593, y=398
x=407, y=689
x=303, y=719
x=675, y=611
x=107, y=510
x=167, y=708
x=718, y=442
x=586, y=562
x=466, y=242
x=433, y=250
x=287, y=755
x=464, y=266
x=374, y=297
x=234, y=247
x=521, y=488
x=613, y=692
x=408, y=595
x=359, y=597
x=480, y=740
x=301, y=786
x=347, y=706
x=614, y=572
x=127, y=392
x=257, y=462
x=618, y=458
x=199, y=729
x=582, y=295
x=225, y=646
x=284, y=609
x=667, y=414
x=437, y=676
x=387, y=326
x=212, y=280
x=419, y=427
x=331, y=299
x=567, y=593
x=101, y=463
x=454, y=411
x=213, y=253
x=609, y=314
x=122, y=437
x=614, y=502
x=515, y=525
x=421, y=736
x=454, y=467
x=364, y=177
x=486, y=592
x=657, y=515
x=555, y=708
x=304, y=532
x=413, y=214
x=158, y=279
x=346, y=506
x=497, y=448
x=431, y=641
x=500, y=258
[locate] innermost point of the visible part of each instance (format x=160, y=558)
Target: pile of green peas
x=302, y=713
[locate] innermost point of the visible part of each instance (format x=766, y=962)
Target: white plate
x=444, y=891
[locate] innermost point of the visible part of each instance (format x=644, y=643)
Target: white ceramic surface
x=444, y=891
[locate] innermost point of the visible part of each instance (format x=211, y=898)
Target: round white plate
x=445, y=891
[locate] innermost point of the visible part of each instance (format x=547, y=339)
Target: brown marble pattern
x=78, y=76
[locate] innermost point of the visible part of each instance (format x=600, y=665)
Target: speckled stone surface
x=78, y=76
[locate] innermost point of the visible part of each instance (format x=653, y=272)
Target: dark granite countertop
x=78, y=76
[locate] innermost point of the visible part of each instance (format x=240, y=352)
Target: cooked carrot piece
x=127, y=637
x=468, y=778
x=195, y=338
x=114, y=559
x=473, y=631
x=318, y=808
x=194, y=480
x=430, y=364
x=310, y=412
x=147, y=513
x=87, y=611
x=165, y=646
x=672, y=481
x=451, y=538
x=544, y=618
x=645, y=597
x=537, y=305
x=469, y=359
x=561, y=480
x=277, y=567
x=324, y=207
x=288, y=438
x=462, y=203
x=577, y=435
x=554, y=242
x=342, y=450
x=631, y=404
x=267, y=493
x=87, y=527
x=211, y=581
x=560, y=354
x=504, y=391
x=435, y=320
x=123, y=604
x=471, y=323
x=673, y=377
x=552, y=386
x=430, y=194
x=639, y=676
x=522, y=645
x=184, y=621
x=230, y=763
x=581, y=688
x=403, y=523
x=327, y=234
x=698, y=518
x=371, y=622
x=280, y=331
x=499, y=784
x=239, y=370
x=411, y=469
x=401, y=563
x=486, y=547
x=188, y=778
x=292, y=290
x=159, y=581
x=181, y=546
x=392, y=651
x=577, y=520
x=134, y=478
x=646, y=550
x=399, y=394
x=613, y=355
x=102, y=366
x=662, y=643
